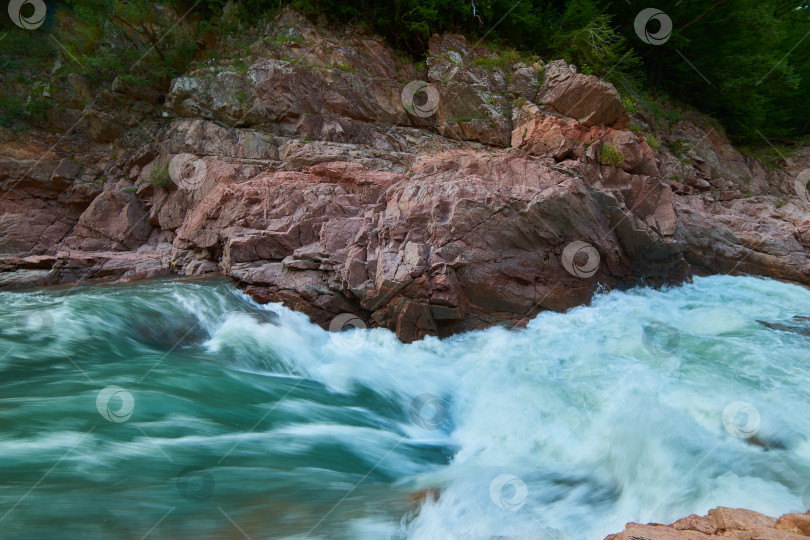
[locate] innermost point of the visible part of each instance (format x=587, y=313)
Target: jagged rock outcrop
x=303, y=172
x=722, y=522
x=465, y=240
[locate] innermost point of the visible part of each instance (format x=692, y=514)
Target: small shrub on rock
x=610, y=155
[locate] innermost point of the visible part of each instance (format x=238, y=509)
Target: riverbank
x=501, y=197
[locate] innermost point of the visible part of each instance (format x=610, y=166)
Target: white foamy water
x=567, y=429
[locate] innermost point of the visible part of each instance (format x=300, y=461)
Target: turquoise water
x=645, y=406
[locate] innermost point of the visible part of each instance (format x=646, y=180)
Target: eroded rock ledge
x=308, y=180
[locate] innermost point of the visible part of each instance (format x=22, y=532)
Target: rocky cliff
x=315, y=167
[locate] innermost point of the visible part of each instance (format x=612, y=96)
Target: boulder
x=797, y=523
x=586, y=98
x=540, y=134
x=739, y=519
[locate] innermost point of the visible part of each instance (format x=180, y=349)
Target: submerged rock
x=168, y=331
x=798, y=325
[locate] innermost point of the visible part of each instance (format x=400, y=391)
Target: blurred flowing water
x=181, y=409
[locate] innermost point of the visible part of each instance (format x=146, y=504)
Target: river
x=182, y=409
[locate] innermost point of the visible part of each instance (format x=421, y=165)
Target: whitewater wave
x=644, y=406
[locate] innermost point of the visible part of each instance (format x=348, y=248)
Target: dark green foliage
x=745, y=62
x=159, y=175
x=145, y=42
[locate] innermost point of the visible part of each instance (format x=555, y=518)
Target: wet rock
x=168, y=332
x=797, y=523
x=466, y=240
x=636, y=531
x=799, y=325
x=722, y=522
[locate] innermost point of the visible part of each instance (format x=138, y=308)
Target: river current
x=182, y=409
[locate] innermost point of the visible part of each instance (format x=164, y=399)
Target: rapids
x=172, y=409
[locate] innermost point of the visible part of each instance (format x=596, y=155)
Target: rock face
x=464, y=240
x=722, y=522
x=409, y=211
